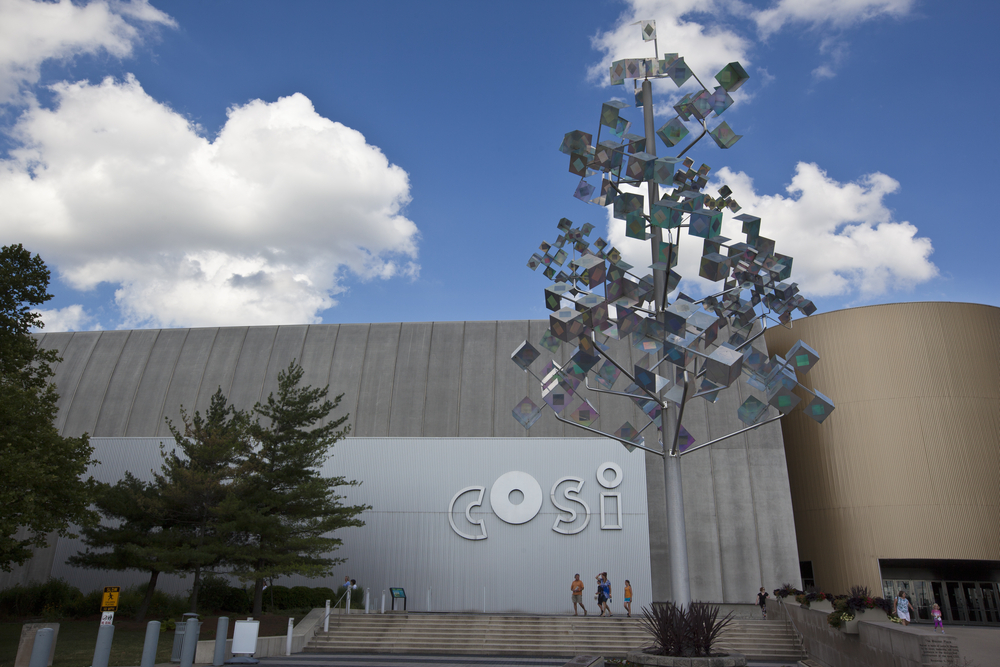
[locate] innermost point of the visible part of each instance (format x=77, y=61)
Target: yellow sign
x=109, y=602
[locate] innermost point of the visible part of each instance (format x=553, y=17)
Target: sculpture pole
x=680, y=582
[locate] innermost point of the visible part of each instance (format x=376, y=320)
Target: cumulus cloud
x=256, y=226
x=32, y=32
x=70, y=318
x=708, y=48
x=842, y=236
x=817, y=13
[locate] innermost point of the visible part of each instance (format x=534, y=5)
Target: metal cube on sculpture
x=751, y=411
x=802, y=358
x=672, y=132
x=524, y=355
x=724, y=365
x=819, y=408
x=526, y=412
x=732, y=76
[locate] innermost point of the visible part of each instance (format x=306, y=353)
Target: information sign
x=109, y=601
x=107, y=618
x=398, y=592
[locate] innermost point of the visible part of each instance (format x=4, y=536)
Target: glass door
x=921, y=599
x=990, y=602
x=973, y=602
x=956, y=601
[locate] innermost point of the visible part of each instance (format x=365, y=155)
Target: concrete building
x=429, y=406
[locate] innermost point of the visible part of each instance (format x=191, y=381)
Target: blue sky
x=226, y=163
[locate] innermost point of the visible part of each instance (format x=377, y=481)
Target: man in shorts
x=577, y=588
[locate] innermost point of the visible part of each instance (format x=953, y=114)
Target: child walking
x=936, y=615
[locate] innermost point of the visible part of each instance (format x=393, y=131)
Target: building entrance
x=960, y=601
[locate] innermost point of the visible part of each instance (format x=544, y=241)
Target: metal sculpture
x=695, y=348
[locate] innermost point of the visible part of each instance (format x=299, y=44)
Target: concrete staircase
x=459, y=634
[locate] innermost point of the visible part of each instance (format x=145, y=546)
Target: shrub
x=684, y=632
x=52, y=599
x=787, y=590
x=217, y=594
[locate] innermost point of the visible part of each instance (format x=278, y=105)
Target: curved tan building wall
x=908, y=465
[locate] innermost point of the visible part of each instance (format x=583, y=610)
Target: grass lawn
x=76, y=641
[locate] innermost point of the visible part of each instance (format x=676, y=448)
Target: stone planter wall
x=642, y=658
x=877, y=644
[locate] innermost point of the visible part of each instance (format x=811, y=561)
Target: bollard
x=484, y=599
x=149, y=646
x=42, y=647
x=326, y=618
x=428, y=599
x=383, y=601
x=190, y=644
x=367, y=592
x=221, y=635
x=288, y=638
x=348, y=600
x=102, y=652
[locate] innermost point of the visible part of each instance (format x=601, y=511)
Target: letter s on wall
x=565, y=508
x=480, y=523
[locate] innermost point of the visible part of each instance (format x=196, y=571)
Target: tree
x=282, y=508
x=131, y=538
x=192, y=488
x=41, y=485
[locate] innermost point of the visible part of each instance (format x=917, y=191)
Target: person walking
x=577, y=589
x=762, y=602
x=903, y=608
x=603, y=590
x=936, y=615
x=628, y=598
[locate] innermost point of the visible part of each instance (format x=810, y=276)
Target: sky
x=182, y=164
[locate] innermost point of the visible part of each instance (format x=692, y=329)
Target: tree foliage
x=283, y=510
x=196, y=478
x=130, y=537
x=42, y=489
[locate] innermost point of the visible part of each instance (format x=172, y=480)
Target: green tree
x=42, y=489
x=197, y=477
x=131, y=537
x=283, y=509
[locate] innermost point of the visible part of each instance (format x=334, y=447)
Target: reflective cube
x=526, y=412
x=566, y=324
x=724, y=365
x=802, y=357
x=732, y=76
x=751, y=411
x=705, y=223
x=714, y=267
x=524, y=355
x=819, y=408
x=672, y=132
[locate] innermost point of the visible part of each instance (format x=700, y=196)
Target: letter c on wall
x=479, y=501
x=516, y=480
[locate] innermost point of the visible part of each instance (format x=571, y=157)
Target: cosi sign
x=565, y=489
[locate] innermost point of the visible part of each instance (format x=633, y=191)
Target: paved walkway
x=386, y=660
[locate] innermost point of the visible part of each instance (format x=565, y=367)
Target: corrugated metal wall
x=443, y=380
x=408, y=542
x=907, y=465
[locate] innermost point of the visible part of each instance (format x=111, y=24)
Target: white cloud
x=815, y=13
x=70, y=318
x=842, y=237
x=32, y=32
x=706, y=49
x=256, y=226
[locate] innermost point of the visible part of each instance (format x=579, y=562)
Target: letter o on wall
x=508, y=512
x=613, y=467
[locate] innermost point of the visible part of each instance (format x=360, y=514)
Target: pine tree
x=130, y=539
x=283, y=509
x=197, y=477
x=42, y=489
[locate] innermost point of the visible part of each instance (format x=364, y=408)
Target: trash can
x=175, y=652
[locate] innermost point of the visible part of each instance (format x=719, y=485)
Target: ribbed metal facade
x=907, y=467
x=408, y=541
x=437, y=381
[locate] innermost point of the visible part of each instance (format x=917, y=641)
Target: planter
x=869, y=615
x=824, y=606
x=650, y=660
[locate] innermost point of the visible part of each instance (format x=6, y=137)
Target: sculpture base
x=650, y=660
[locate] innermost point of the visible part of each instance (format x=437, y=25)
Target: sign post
x=109, y=604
